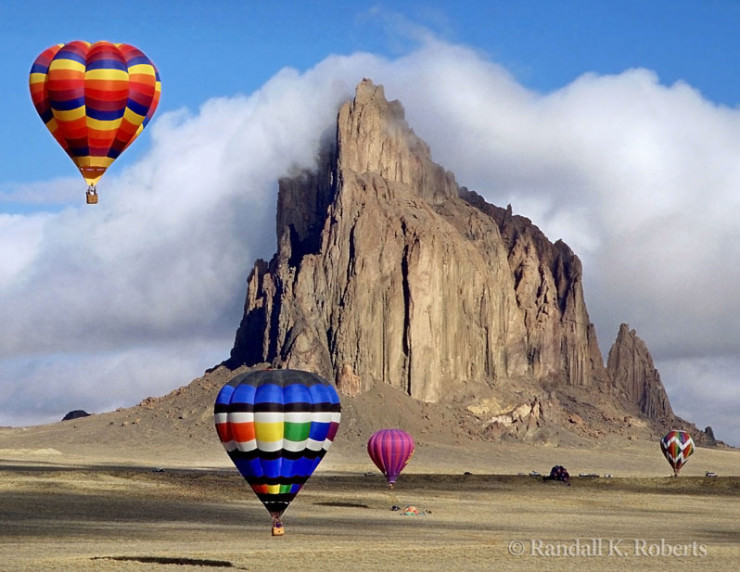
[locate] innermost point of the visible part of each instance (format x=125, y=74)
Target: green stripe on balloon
x=296, y=431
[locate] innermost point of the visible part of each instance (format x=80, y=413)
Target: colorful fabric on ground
x=277, y=425
x=390, y=450
x=558, y=473
x=95, y=99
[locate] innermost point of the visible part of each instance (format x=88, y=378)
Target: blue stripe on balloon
x=249, y=468
x=269, y=393
x=137, y=107
x=312, y=464
x=39, y=68
x=244, y=394
x=70, y=54
x=68, y=104
x=319, y=431
x=224, y=396
x=272, y=468
x=105, y=115
x=297, y=393
x=139, y=60
x=289, y=468
x=106, y=63
x=78, y=151
x=323, y=394
x=300, y=467
x=305, y=466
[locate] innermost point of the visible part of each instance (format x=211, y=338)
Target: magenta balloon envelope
x=390, y=450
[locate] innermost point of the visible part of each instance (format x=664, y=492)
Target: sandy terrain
x=79, y=511
x=151, y=488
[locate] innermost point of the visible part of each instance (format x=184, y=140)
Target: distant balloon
x=276, y=425
x=95, y=99
x=677, y=446
x=390, y=450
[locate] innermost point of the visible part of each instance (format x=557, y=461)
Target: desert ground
x=151, y=488
x=80, y=508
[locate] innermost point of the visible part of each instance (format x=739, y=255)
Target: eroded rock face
x=388, y=273
x=388, y=270
x=631, y=368
x=549, y=293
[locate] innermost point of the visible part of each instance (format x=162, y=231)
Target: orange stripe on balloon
x=243, y=432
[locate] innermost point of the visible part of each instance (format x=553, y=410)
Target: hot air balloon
x=95, y=99
x=390, y=450
x=276, y=425
x=677, y=446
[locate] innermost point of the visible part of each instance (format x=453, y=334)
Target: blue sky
x=206, y=49
x=612, y=125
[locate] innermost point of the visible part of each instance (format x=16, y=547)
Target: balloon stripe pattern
x=677, y=446
x=390, y=450
x=95, y=99
x=277, y=425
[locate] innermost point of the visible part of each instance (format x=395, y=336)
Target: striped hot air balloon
x=277, y=425
x=390, y=450
x=95, y=99
x=677, y=446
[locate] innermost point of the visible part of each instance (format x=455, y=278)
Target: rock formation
x=387, y=272
x=549, y=294
x=635, y=377
x=75, y=414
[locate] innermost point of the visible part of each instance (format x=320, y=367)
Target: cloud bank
x=109, y=304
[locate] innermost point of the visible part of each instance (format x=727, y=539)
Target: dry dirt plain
x=143, y=509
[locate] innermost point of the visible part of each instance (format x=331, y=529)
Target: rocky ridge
x=389, y=275
x=635, y=377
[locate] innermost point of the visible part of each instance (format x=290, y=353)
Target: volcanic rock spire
x=388, y=272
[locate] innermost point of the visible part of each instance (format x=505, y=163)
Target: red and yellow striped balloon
x=95, y=99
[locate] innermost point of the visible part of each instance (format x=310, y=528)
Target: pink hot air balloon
x=390, y=450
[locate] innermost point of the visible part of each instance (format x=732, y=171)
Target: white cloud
x=639, y=178
x=704, y=391
x=20, y=237
x=56, y=193
x=45, y=387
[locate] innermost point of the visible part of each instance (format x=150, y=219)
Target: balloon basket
x=91, y=196
x=278, y=530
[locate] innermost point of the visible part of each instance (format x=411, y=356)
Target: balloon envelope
x=677, y=446
x=277, y=425
x=95, y=99
x=390, y=450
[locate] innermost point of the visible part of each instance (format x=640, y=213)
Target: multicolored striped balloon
x=390, y=450
x=677, y=446
x=95, y=99
x=277, y=425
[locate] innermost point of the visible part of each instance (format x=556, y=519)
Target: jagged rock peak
x=631, y=368
x=388, y=273
x=374, y=137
